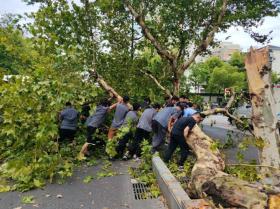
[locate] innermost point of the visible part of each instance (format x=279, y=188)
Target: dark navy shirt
x=180, y=125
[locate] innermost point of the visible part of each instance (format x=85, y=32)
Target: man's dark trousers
x=159, y=135
x=177, y=140
x=122, y=143
x=140, y=135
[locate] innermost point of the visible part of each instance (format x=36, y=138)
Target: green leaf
x=5, y=188
x=27, y=199
x=38, y=183
x=88, y=179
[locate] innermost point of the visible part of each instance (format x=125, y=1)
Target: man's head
x=166, y=98
x=105, y=103
x=179, y=106
x=174, y=100
x=136, y=106
x=194, y=106
x=184, y=104
x=68, y=104
x=198, y=117
x=147, y=100
x=125, y=99
x=156, y=106
x=182, y=98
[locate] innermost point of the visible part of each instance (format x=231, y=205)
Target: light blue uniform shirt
x=120, y=113
x=189, y=112
x=131, y=117
x=98, y=117
x=69, y=118
x=165, y=114
x=145, y=121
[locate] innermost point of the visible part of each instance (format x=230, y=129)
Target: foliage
x=16, y=52
x=113, y=143
x=192, y=26
x=183, y=175
x=275, y=78
x=29, y=105
x=214, y=75
x=106, y=171
x=27, y=199
x=237, y=59
x=247, y=173
x=197, y=99
x=226, y=76
x=88, y=179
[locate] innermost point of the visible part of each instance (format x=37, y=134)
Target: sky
x=236, y=34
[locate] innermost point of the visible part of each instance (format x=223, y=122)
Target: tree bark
x=167, y=92
x=208, y=178
x=103, y=83
x=176, y=87
x=264, y=105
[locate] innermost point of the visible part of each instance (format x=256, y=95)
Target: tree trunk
x=103, y=83
x=176, y=87
x=264, y=105
x=208, y=178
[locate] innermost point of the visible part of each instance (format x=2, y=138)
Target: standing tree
x=181, y=30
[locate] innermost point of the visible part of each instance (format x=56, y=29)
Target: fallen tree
x=208, y=178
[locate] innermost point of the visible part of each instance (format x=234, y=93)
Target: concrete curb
x=171, y=189
x=174, y=194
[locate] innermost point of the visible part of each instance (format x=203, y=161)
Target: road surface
x=107, y=193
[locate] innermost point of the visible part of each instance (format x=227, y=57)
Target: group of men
x=177, y=117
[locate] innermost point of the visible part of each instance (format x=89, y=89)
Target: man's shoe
x=181, y=168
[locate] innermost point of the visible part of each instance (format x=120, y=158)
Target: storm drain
x=142, y=191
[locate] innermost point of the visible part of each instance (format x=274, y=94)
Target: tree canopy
x=214, y=75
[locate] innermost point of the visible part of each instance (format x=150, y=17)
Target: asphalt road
x=107, y=193
x=220, y=134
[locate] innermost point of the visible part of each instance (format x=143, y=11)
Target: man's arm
x=186, y=131
x=113, y=106
x=171, y=123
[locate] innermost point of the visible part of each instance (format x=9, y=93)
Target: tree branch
x=103, y=83
x=157, y=82
x=225, y=112
x=146, y=32
x=207, y=40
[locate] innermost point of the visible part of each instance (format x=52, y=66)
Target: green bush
x=29, y=108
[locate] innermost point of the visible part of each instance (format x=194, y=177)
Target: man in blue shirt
x=95, y=121
x=188, y=112
x=122, y=109
x=130, y=120
x=143, y=131
x=68, y=122
x=161, y=122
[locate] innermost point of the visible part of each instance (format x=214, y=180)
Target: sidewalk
x=114, y=192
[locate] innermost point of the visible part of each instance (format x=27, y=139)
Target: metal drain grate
x=142, y=191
